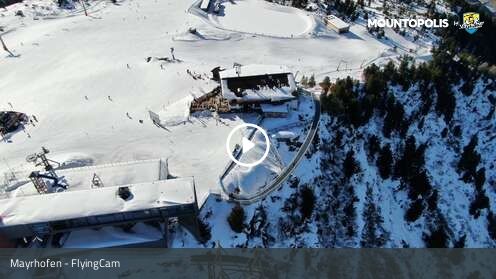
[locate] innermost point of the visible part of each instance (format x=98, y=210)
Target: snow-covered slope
x=90, y=80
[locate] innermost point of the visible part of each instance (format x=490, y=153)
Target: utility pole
x=5, y=47
x=172, y=54
x=363, y=62
x=84, y=7
x=12, y=174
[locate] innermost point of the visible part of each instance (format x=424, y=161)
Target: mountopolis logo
x=408, y=22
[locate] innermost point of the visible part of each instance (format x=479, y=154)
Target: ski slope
x=87, y=80
x=263, y=19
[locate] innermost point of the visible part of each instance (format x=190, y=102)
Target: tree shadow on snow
x=353, y=36
x=13, y=56
x=246, y=117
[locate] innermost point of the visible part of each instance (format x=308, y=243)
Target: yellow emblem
x=471, y=22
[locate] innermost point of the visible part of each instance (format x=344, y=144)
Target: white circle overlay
x=229, y=151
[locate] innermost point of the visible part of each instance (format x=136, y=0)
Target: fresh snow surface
x=64, y=57
x=284, y=135
x=123, y=173
x=265, y=93
x=176, y=113
x=254, y=70
x=112, y=236
x=100, y=201
x=262, y=18
x=339, y=23
x=251, y=180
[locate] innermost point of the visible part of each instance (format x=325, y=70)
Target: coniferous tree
x=301, y=4
x=414, y=211
x=391, y=72
x=405, y=72
x=480, y=202
x=375, y=83
x=432, y=201
x=326, y=84
x=350, y=165
x=350, y=216
x=304, y=81
x=491, y=225
x=419, y=185
x=446, y=102
x=469, y=160
x=236, y=218
x=204, y=230
x=307, y=203
x=394, y=119
x=412, y=160
x=402, y=168
x=374, y=146
x=385, y=162
x=258, y=222
x=431, y=8
x=385, y=7
x=373, y=234
x=438, y=238
x=460, y=243
x=355, y=113
x=311, y=81
x=480, y=179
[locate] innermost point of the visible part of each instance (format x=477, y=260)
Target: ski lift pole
x=363, y=62
x=84, y=7
x=10, y=169
x=5, y=47
x=172, y=54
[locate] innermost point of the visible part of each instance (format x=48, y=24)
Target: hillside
x=404, y=154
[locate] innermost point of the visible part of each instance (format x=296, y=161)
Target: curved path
x=292, y=166
x=292, y=22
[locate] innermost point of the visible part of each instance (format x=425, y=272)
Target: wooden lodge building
x=250, y=88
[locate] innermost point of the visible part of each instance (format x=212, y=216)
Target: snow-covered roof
x=94, y=202
x=275, y=94
x=116, y=174
x=176, y=113
x=122, y=173
x=254, y=70
x=274, y=108
x=259, y=176
x=112, y=237
x=269, y=94
x=204, y=4
x=337, y=22
x=284, y=135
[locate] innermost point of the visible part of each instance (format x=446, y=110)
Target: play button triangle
x=247, y=144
